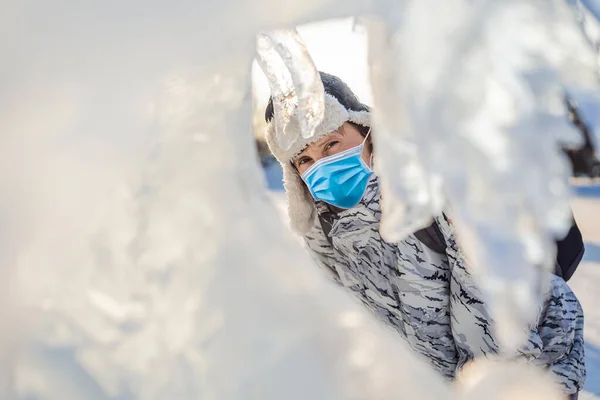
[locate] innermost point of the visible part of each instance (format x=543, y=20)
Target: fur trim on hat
x=301, y=208
x=301, y=205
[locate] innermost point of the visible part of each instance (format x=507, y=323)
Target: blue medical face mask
x=340, y=179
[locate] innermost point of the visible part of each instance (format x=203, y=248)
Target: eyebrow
x=328, y=138
x=320, y=146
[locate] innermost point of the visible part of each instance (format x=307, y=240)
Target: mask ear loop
x=363, y=145
x=366, y=136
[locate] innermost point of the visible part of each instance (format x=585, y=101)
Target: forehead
x=325, y=138
x=318, y=143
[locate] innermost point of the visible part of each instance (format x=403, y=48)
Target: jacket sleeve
x=561, y=332
x=555, y=343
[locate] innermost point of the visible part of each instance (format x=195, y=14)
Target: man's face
x=346, y=137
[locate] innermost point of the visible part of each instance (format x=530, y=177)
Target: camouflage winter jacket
x=431, y=299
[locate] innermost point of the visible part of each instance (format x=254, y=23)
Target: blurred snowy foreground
x=141, y=257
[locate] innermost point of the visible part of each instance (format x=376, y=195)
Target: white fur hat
x=301, y=208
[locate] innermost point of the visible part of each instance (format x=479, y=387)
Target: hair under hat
x=341, y=105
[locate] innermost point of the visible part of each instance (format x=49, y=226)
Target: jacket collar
x=366, y=213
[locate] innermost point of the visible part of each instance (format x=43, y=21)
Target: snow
x=141, y=258
x=290, y=69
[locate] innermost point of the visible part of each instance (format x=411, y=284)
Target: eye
x=329, y=145
x=303, y=160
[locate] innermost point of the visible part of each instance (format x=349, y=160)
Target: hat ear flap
x=301, y=208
